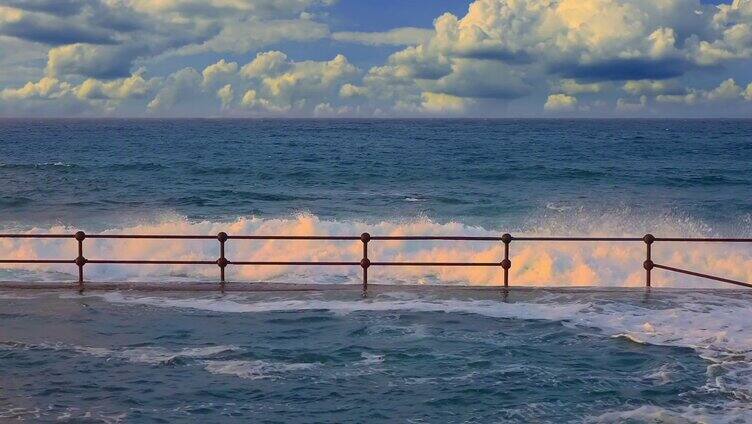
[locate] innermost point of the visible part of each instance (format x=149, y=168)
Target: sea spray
x=605, y=264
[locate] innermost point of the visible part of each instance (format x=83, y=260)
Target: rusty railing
x=365, y=262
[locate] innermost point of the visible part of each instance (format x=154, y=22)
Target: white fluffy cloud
x=727, y=91
x=569, y=55
x=106, y=38
x=269, y=84
x=560, y=102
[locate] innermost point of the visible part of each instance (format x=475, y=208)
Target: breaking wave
x=534, y=264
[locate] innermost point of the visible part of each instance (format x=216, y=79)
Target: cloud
x=266, y=64
x=653, y=87
x=501, y=49
x=572, y=87
x=243, y=37
x=41, y=28
x=218, y=72
x=182, y=85
x=46, y=88
x=394, y=37
x=727, y=91
x=271, y=83
x=226, y=94
x=560, y=103
x=134, y=86
x=53, y=7
x=90, y=56
x=109, y=38
x=91, y=60
x=443, y=103
x=348, y=91
x=624, y=105
x=307, y=78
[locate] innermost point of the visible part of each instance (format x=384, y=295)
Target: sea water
x=596, y=354
x=443, y=356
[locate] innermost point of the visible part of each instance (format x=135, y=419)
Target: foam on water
x=150, y=355
x=718, y=327
x=538, y=264
x=738, y=413
x=254, y=370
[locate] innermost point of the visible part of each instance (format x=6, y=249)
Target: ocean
x=583, y=342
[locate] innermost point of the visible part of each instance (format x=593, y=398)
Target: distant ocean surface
x=500, y=175
x=440, y=354
x=420, y=177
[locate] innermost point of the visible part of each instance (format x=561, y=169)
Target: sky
x=386, y=58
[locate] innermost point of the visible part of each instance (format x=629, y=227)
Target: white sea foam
x=254, y=370
x=718, y=327
x=240, y=304
x=151, y=355
x=730, y=414
x=541, y=264
x=156, y=355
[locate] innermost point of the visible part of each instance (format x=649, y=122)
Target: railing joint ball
x=365, y=237
x=365, y=263
x=649, y=239
x=506, y=264
x=80, y=236
x=222, y=237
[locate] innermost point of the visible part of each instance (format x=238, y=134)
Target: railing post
x=365, y=263
x=648, y=264
x=222, y=261
x=80, y=261
x=506, y=263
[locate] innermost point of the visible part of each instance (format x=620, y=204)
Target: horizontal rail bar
x=449, y=264
x=705, y=240
x=262, y=263
x=293, y=237
x=385, y=238
x=697, y=274
x=427, y=238
x=629, y=239
x=58, y=236
x=36, y=261
x=150, y=236
x=147, y=262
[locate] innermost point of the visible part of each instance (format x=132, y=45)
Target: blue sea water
x=495, y=173
x=435, y=355
x=543, y=356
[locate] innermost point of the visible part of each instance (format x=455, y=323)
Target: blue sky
x=348, y=58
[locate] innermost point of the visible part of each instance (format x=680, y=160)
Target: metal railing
x=365, y=262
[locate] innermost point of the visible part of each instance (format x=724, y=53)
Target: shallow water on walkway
x=450, y=356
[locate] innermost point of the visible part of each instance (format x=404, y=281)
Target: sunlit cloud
x=519, y=57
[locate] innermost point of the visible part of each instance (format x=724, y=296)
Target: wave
x=148, y=355
x=254, y=370
x=716, y=326
x=534, y=264
x=38, y=165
